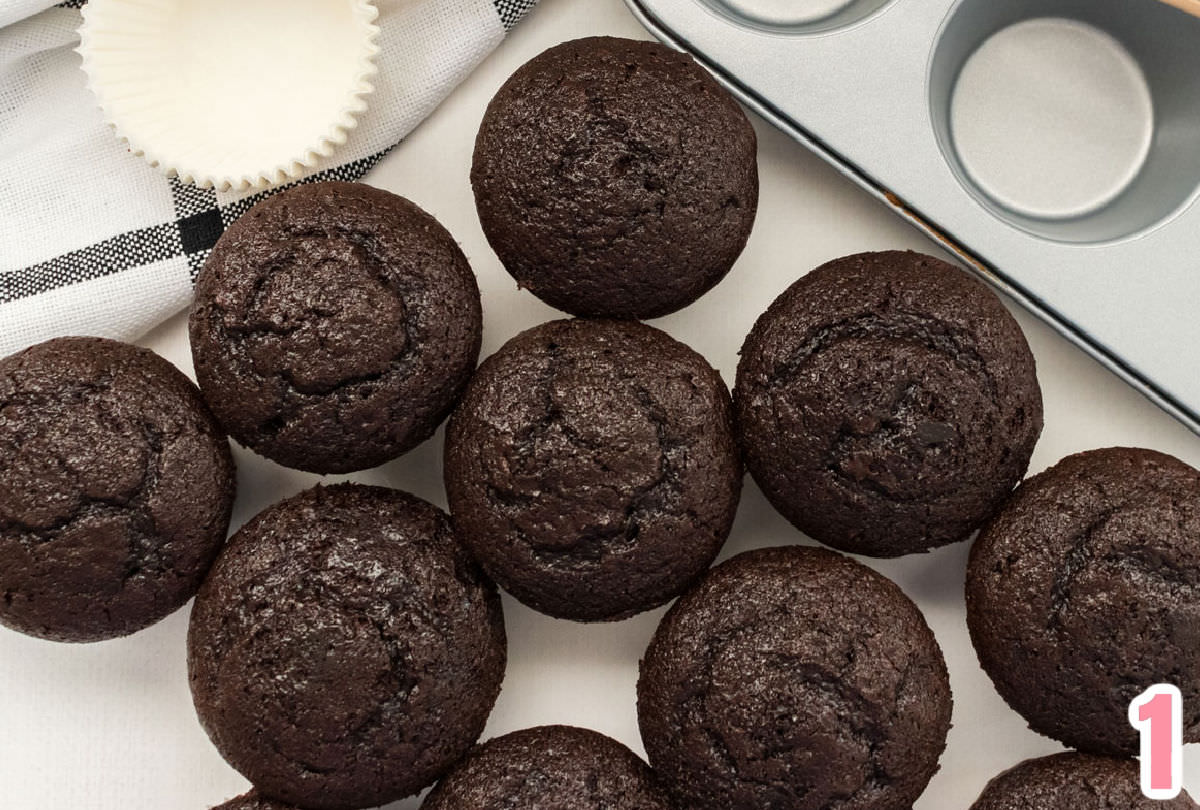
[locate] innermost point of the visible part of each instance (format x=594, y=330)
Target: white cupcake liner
x=231, y=94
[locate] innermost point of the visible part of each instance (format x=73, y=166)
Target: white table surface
x=110, y=726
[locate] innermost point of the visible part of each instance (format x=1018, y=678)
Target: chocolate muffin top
x=592, y=468
x=1084, y=591
x=550, y=768
x=1073, y=781
x=116, y=486
x=887, y=403
x=253, y=801
x=345, y=652
x=615, y=178
x=794, y=677
x=334, y=327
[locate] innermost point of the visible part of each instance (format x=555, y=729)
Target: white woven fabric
x=94, y=241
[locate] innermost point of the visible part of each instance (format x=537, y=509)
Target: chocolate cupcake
x=615, y=178
x=334, y=327
x=592, y=468
x=1073, y=782
x=344, y=652
x=116, y=486
x=1084, y=591
x=550, y=768
x=253, y=801
x=794, y=677
x=888, y=403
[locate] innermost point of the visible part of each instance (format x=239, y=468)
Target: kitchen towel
x=93, y=240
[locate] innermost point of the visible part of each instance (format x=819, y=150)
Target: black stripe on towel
x=511, y=11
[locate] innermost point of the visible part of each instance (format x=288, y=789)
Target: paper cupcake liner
x=231, y=94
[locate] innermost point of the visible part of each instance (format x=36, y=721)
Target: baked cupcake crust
x=794, y=677
x=615, y=178
x=116, y=485
x=550, y=768
x=345, y=651
x=334, y=327
x=1075, y=781
x=592, y=468
x=1084, y=591
x=887, y=403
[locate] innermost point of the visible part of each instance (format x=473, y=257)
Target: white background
x=111, y=725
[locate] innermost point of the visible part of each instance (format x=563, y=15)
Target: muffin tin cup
x=1097, y=106
x=229, y=94
x=796, y=16
x=1106, y=258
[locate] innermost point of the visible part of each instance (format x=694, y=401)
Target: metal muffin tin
x=1097, y=230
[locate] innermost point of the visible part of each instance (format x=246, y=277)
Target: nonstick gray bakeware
x=1053, y=145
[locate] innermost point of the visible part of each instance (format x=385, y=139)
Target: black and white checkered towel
x=93, y=241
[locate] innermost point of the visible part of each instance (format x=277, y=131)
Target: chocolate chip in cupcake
x=592, y=467
x=888, y=403
x=334, y=327
x=345, y=651
x=550, y=768
x=615, y=178
x=1073, y=782
x=794, y=677
x=116, y=486
x=1084, y=591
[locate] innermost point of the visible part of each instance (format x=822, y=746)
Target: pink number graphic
x=1157, y=714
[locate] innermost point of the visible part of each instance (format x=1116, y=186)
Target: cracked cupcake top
x=344, y=651
x=794, y=677
x=1075, y=781
x=591, y=467
x=1084, y=591
x=334, y=327
x=550, y=768
x=116, y=486
x=615, y=178
x=888, y=403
